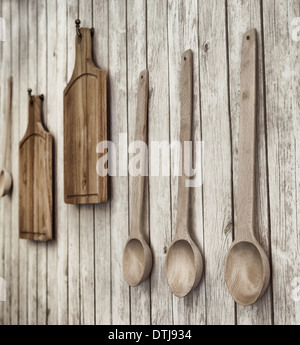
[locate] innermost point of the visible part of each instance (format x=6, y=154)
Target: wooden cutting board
x=35, y=178
x=85, y=125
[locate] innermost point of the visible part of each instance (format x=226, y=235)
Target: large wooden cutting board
x=85, y=125
x=35, y=178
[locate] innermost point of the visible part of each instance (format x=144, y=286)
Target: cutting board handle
x=83, y=46
x=35, y=114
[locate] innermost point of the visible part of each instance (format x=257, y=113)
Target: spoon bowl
x=247, y=272
x=137, y=261
x=5, y=182
x=184, y=267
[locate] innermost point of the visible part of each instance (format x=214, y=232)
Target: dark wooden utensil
x=35, y=177
x=85, y=125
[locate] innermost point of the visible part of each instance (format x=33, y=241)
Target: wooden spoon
x=5, y=176
x=247, y=270
x=137, y=258
x=184, y=263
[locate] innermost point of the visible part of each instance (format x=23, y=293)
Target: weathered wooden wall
x=77, y=278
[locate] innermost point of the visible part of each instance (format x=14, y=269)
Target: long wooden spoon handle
x=247, y=136
x=136, y=205
x=7, y=118
x=186, y=109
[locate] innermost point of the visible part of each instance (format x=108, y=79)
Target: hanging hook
x=41, y=97
x=77, y=22
x=30, y=96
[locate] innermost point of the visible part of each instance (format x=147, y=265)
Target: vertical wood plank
x=50, y=106
x=7, y=201
x=136, y=62
x=217, y=196
x=42, y=89
x=102, y=211
x=159, y=186
x=119, y=184
x=32, y=83
x=241, y=17
x=282, y=71
x=73, y=210
x=2, y=305
x=23, y=110
x=1, y=204
x=183, y=35
x=62, y=208
x=87, y=221
x=15, y=166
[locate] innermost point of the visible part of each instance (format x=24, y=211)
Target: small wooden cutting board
x=85, y=125
x=35, y=178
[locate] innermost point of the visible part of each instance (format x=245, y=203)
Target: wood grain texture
x=73, y=214
x=183, y=35
x=7, y=55
x=42, y=89
x=86, y=222
x=32, y=277
x=85, y=124
x=159, y=186
x=50, y=106
x=15, y=306
x=102, y=211
x=6, y=202
x=282, y=114
x=136, y=42
x=62, y=209
x=23, y=121
x=217, y=196
x=120, y=303
x=7, y=129
x=35, y=178
x=2, y=247
x=241, y=17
